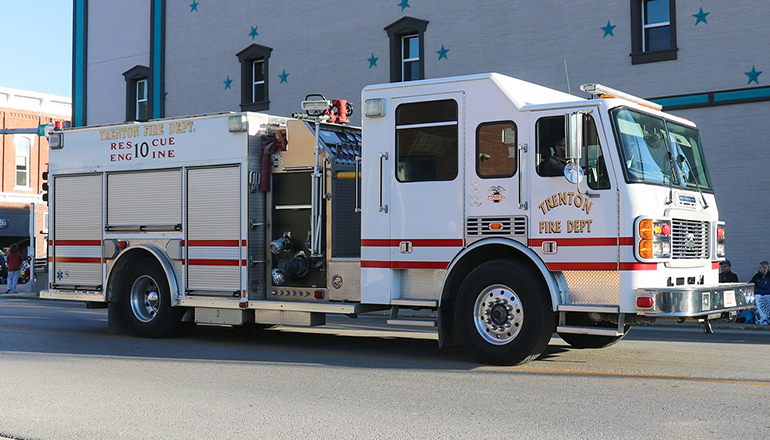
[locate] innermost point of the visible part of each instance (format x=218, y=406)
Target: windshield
x=657, y=151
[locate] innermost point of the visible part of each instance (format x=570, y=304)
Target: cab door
x=574, y=226
x=417, y=220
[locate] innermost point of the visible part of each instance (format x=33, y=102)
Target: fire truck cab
x=503, y=210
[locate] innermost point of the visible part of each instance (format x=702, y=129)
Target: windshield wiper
x=683, y=159
x=672, y=167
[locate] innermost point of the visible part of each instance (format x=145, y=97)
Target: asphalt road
x=62, y=376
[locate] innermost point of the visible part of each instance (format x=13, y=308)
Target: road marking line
x=761, y=383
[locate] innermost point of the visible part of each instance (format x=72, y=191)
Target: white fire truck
x=503, y=210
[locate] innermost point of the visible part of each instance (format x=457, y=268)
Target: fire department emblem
x=497, y=194
x=690, y=243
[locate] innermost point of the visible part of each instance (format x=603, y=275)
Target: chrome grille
x=689, y=239
x=481, y=226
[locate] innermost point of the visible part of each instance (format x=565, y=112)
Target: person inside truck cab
x=554, y=164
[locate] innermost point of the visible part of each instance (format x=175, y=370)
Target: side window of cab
x=551, y=151
x=496, y=149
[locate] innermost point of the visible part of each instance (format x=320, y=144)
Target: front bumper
x=695, y=301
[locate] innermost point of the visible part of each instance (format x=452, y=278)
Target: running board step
x=588, y=331
x=413, y=322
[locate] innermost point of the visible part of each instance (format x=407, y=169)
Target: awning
x=14, y=222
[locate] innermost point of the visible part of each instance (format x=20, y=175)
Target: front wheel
x=146, y=301
x=503, y=313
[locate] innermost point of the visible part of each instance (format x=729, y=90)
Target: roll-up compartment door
x=213, y=229
x=77, y=231
x=146, y=200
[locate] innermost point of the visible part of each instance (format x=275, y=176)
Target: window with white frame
x=141, y=100
x=410, y=58
x=656, y=23
x=23, y=146
x=653, y=31
x=258, y=81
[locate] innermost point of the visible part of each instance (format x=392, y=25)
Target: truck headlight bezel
x=652, y=239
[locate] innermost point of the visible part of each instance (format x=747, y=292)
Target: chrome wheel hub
x=145, y=299
x=498, y=314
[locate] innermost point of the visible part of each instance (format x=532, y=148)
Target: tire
x=146, y=301
x=590, y=341
x=503, y=313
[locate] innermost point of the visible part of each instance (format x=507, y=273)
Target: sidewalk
x=27, y=291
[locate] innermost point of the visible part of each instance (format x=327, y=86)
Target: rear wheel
x=503, y=313
x=146, y=301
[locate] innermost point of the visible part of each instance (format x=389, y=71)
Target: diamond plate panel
x=421, y=283
x=221, y=316
x=345, y=273
x=589, y=287
x=283, y=317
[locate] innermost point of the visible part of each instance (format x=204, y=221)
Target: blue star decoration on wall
x=284, y=77
x=194, y=6
x=373, y=61
x=227, y=82
x=701, y=17
x=404, y=4
x=442, y=53
x=253, y=32
x=608, y=29
x=753, y=75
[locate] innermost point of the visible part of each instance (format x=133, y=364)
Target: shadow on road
x=70, y=330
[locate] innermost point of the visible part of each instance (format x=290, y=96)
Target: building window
x=426, y=141
x=23, y=146
x=137, y=93
x=407, y=49
x=254, y=77
x=653, y=31
x=141, y=100
x=496, y=149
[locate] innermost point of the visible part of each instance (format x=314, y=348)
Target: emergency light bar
x=599, y=90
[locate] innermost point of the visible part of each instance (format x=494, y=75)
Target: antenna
x=567, y=74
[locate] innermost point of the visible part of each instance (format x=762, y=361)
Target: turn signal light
x=645, y=229
x=645, y=248
x=496, y=226
x=644, y=302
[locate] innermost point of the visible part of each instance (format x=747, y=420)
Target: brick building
x=24, y=159
x=702, y=61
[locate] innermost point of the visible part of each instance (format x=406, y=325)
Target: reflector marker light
x=644, y=302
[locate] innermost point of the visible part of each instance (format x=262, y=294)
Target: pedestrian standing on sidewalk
x=762, y=293
x=14, y=266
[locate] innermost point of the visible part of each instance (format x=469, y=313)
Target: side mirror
x=574, y=130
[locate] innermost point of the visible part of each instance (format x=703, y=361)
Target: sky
x=36, y=45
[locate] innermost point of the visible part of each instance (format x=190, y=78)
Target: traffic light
x=45, y=186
